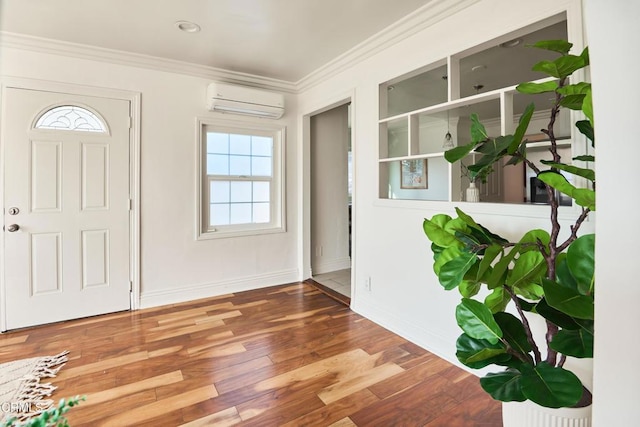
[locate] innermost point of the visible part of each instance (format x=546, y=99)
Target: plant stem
x=525, y=323
x=551, y=256
x=574, y=229
x=563, y=359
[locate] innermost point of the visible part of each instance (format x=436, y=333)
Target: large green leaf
x=504, y=386
x=583, y=196
x=452, y=273
x=478, y=131
x=495, y=146
x=467, y=218
x=587, y=107
x=563, y=274
x=499, y=273
x=454, y=225
x=490, y=254
x=459, y=152
x=584, y=126
x=434, y=229
x=573, y=95
x=585, y=56
x=445, y=256
x=477, y=354
x=585, y=158
x=497, y=300
x=567, y=300
x=523, y=124
x=576, y=343
x=532, y=291
x=533, y=236
x=581, y=262
x=580, y=88
x=477, y=321
x=535, y=88
x=513, y=332
x=561, y=67
x=469, y=289
x=437, y=250
x=527, y=268
x=470, y=241
x=556, y=317
x=560, y=46
x=482, y=169
x=573, y=102
x=590, y=174
x=550, y=386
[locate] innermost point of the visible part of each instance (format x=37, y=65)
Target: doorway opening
x=331, y=178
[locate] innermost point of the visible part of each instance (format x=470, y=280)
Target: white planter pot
x=529, y=414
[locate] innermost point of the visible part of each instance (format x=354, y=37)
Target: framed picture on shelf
x=413, y=174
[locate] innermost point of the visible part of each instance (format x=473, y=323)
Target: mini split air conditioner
x=226, y=98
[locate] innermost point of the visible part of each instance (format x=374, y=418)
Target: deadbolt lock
x=14, y=211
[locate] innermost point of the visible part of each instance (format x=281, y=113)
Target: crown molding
x=422, y=18
x=427, y=15
x=82, y=51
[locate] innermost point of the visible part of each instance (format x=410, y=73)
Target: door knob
x=13, y=228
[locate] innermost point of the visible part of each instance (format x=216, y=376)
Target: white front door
x=66, y=206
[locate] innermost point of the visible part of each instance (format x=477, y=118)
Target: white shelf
x=413, y=157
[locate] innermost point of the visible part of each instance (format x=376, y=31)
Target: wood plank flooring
x=281, y=356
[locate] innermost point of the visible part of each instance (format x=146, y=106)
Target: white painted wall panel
x=95, y=258
x=46, y=263
x=95, y=176
x=46, y=176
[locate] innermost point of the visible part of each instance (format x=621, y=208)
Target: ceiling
x=279, y=39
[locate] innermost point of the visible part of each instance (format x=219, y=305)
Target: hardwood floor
x=282, y=356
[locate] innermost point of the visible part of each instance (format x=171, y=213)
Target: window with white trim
x=241, y=186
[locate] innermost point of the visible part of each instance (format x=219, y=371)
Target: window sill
x=229, y=233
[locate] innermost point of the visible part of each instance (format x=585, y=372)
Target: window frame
x=277, y=191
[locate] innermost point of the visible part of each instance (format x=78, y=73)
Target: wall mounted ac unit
x=227, y=98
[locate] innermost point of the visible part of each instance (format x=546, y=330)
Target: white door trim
x=304, y=178
x=134, y=168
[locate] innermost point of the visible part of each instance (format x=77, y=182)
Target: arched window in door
x=71, y=117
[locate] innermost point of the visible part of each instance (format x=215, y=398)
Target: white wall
x=616, y=110
x=174, y=266
x=329, y=191
x=390, y=246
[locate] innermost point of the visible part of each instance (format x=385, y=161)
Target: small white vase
x=529, y=414
x=473, y=193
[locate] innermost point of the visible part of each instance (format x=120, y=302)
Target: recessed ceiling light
x=511, y=43
x=187, y=27
x=478, y=67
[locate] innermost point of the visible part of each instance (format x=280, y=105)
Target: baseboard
x=207, y=290
x=331, y=265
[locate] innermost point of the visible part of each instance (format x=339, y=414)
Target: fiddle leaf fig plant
x=504, y=283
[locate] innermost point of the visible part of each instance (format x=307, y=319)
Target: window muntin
x=242, y=175
x=71, y=117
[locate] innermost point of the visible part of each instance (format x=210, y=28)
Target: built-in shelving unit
x=419, y=108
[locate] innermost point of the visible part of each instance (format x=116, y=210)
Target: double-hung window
x=241, y=179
